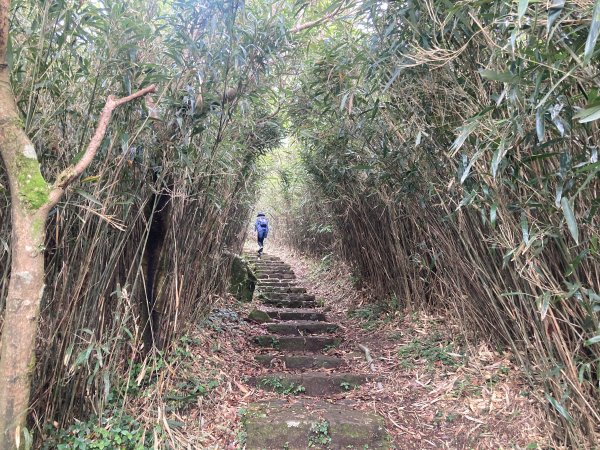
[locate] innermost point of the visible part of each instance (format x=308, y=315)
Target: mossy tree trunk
x=29, y=192
x=29, y=195
x=31, y=200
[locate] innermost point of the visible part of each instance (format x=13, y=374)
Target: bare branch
x=71, y=173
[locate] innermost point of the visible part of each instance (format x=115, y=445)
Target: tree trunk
x=31, y=200
x=29, y=196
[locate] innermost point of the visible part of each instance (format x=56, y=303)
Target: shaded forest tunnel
x=446, y=154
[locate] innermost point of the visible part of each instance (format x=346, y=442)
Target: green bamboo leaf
x=570, y=218
x=554, y=11
x=469, y=166
x=494, y=75
x=588, y=114
x=540, y=126
x=88, y=196
x=392, y=79
x=497, y=158
x=465, y=131
x=593, y=340
x=544, y=304
x=592, y=38
x=523, y=4
x=493, y=214
x=560, y=408
x=525, y=228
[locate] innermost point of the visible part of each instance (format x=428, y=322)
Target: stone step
x=266, y=262
x=295, y=314
x=287, y=296
x=301, y=327
x=288, y=303
x=268, y=259
x=273, y=274
x=283, y=290
x=277, y=279
x=301, y=361
x=279, y=285
x=264, y=257
x=276, y=276
x=303, y=425
x=296, y=343
x=312, y=384
x=271, y=282
x=273, y=267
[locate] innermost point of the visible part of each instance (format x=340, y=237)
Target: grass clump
x=319, y=434
x=277, y=384
x=434, y=350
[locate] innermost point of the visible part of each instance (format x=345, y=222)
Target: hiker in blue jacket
x=262, y=229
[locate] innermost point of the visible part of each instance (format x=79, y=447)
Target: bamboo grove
x=451, y=149
x=447, y=151
x=171, y=187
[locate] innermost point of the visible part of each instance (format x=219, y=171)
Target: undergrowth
x=116, y=427
x=113, y=430
x=434, y=349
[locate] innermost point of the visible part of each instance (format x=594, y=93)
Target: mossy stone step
x=276, y=276
x=283, y=290
x=301, y=361
x=312, y=384
x=274, y=269
x=287, y=296
x=301, y=327
x=289, y=303
x=277, y=425
x=256, y=315
x=264, y=258
x=297, y=343
x=295, y=314
x=271, y=264
x=285, y=285
x=268, y=260
x=276, y=283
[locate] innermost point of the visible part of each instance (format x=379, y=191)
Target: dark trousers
x=261, y=239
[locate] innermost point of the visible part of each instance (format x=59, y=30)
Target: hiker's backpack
x=262, y=222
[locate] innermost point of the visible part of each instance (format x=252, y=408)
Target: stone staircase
x=297, y=336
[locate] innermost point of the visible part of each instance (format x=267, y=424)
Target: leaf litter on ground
x=433, y=386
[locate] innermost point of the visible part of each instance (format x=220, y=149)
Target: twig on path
x=368, y=357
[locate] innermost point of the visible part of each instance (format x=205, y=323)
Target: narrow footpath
x=292, y=351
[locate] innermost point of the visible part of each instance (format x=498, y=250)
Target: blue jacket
x=262, y=226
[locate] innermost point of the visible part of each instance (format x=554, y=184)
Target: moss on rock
x=259, y=316
x=242, y=281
